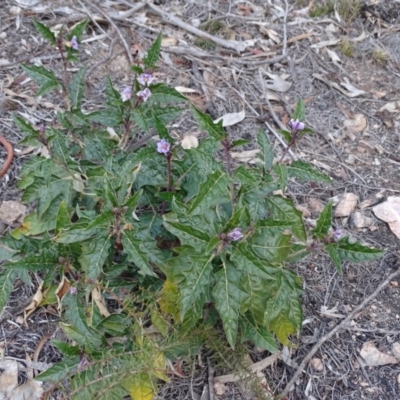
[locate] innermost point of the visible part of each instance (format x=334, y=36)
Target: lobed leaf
x=45, y=32
x=43, y=77
x=267, y=153
x=324, y=222
x=153, y=54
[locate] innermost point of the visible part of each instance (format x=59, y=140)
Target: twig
x=109, y=19
x=229, y=44
x=336, y=329
x=103, y=61
x=211, y=371
x=254, y=368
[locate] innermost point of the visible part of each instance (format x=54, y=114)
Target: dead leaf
x=276, y=83
x=190, y=142
x=326, y=43
x=373, y=357
x=168, y=42
x=61, y=291
x=392, y=106
x=356, y=124
x=351, y=92
x=346, y=205
x=31, y=307
x=231, y=118
x=9, y=389
x=247, y=156
x=333, y=56
x=100, y=302
x=389, y=211
x=183, y=89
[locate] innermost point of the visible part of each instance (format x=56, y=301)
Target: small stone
x=3, y=35
x=358, y=220
x=346, y=205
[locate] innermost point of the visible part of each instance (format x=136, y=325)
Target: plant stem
x=169, y=173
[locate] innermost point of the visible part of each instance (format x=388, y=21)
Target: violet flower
x=163, y=146
x=145, y=79
x=296, y=125
x=74, y=43
x=144, y=94
x=235, y=235
x=126, y=94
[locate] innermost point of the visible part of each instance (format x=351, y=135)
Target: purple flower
x=145, y=79
x=337, y=234
x=74, y=43
x=296, y=125
x=235, y=235
x=163, y=146
x=144, y=94
x=73, y=290
x=42, y=128
x=126, y=94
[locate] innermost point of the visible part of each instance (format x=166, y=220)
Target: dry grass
x=347, y=9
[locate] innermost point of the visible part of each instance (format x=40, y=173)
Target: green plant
x=346, y=48
x=347, y=9
x=145, y=249
x=380, y=55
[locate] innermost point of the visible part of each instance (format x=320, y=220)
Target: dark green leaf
x=46, y=78
x=136, y=253
x=78, y=30
x=197, y=272
x=105, y=117
x=246, y=261
x=267, y=153
x=153, y=54
x=77, y=87
x=333, y=251
x=7, y=278
x=324, y=222
x=354, y=252
x=94, y=255
x=48, y=260
x=282, y=171
x=239, y=142
x=45, y=32
x=284, y=314
x=287, y=135
x=212, y=192
x=162, y=94
x=161, y=128
x=60, y=371
x=66, y=349
x=300, y=111
x=228, y=296
x=31, y=135
x=206, y=123
x=63, y=218
x=270, y=242
x=137, y=69
x=257, y=334
x=283, y=210
x=305, y=172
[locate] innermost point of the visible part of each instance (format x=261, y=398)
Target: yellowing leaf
x=159, y=365
x=61, y=291
x=37, y=298
x=100, y=302
x=170, y=299
x=282, y=328
x=140, y=387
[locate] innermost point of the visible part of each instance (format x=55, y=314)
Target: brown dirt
x=363, y=161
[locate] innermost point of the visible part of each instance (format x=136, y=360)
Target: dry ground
x=357, y=144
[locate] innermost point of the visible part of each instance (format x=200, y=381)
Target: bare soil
x=356, y=144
